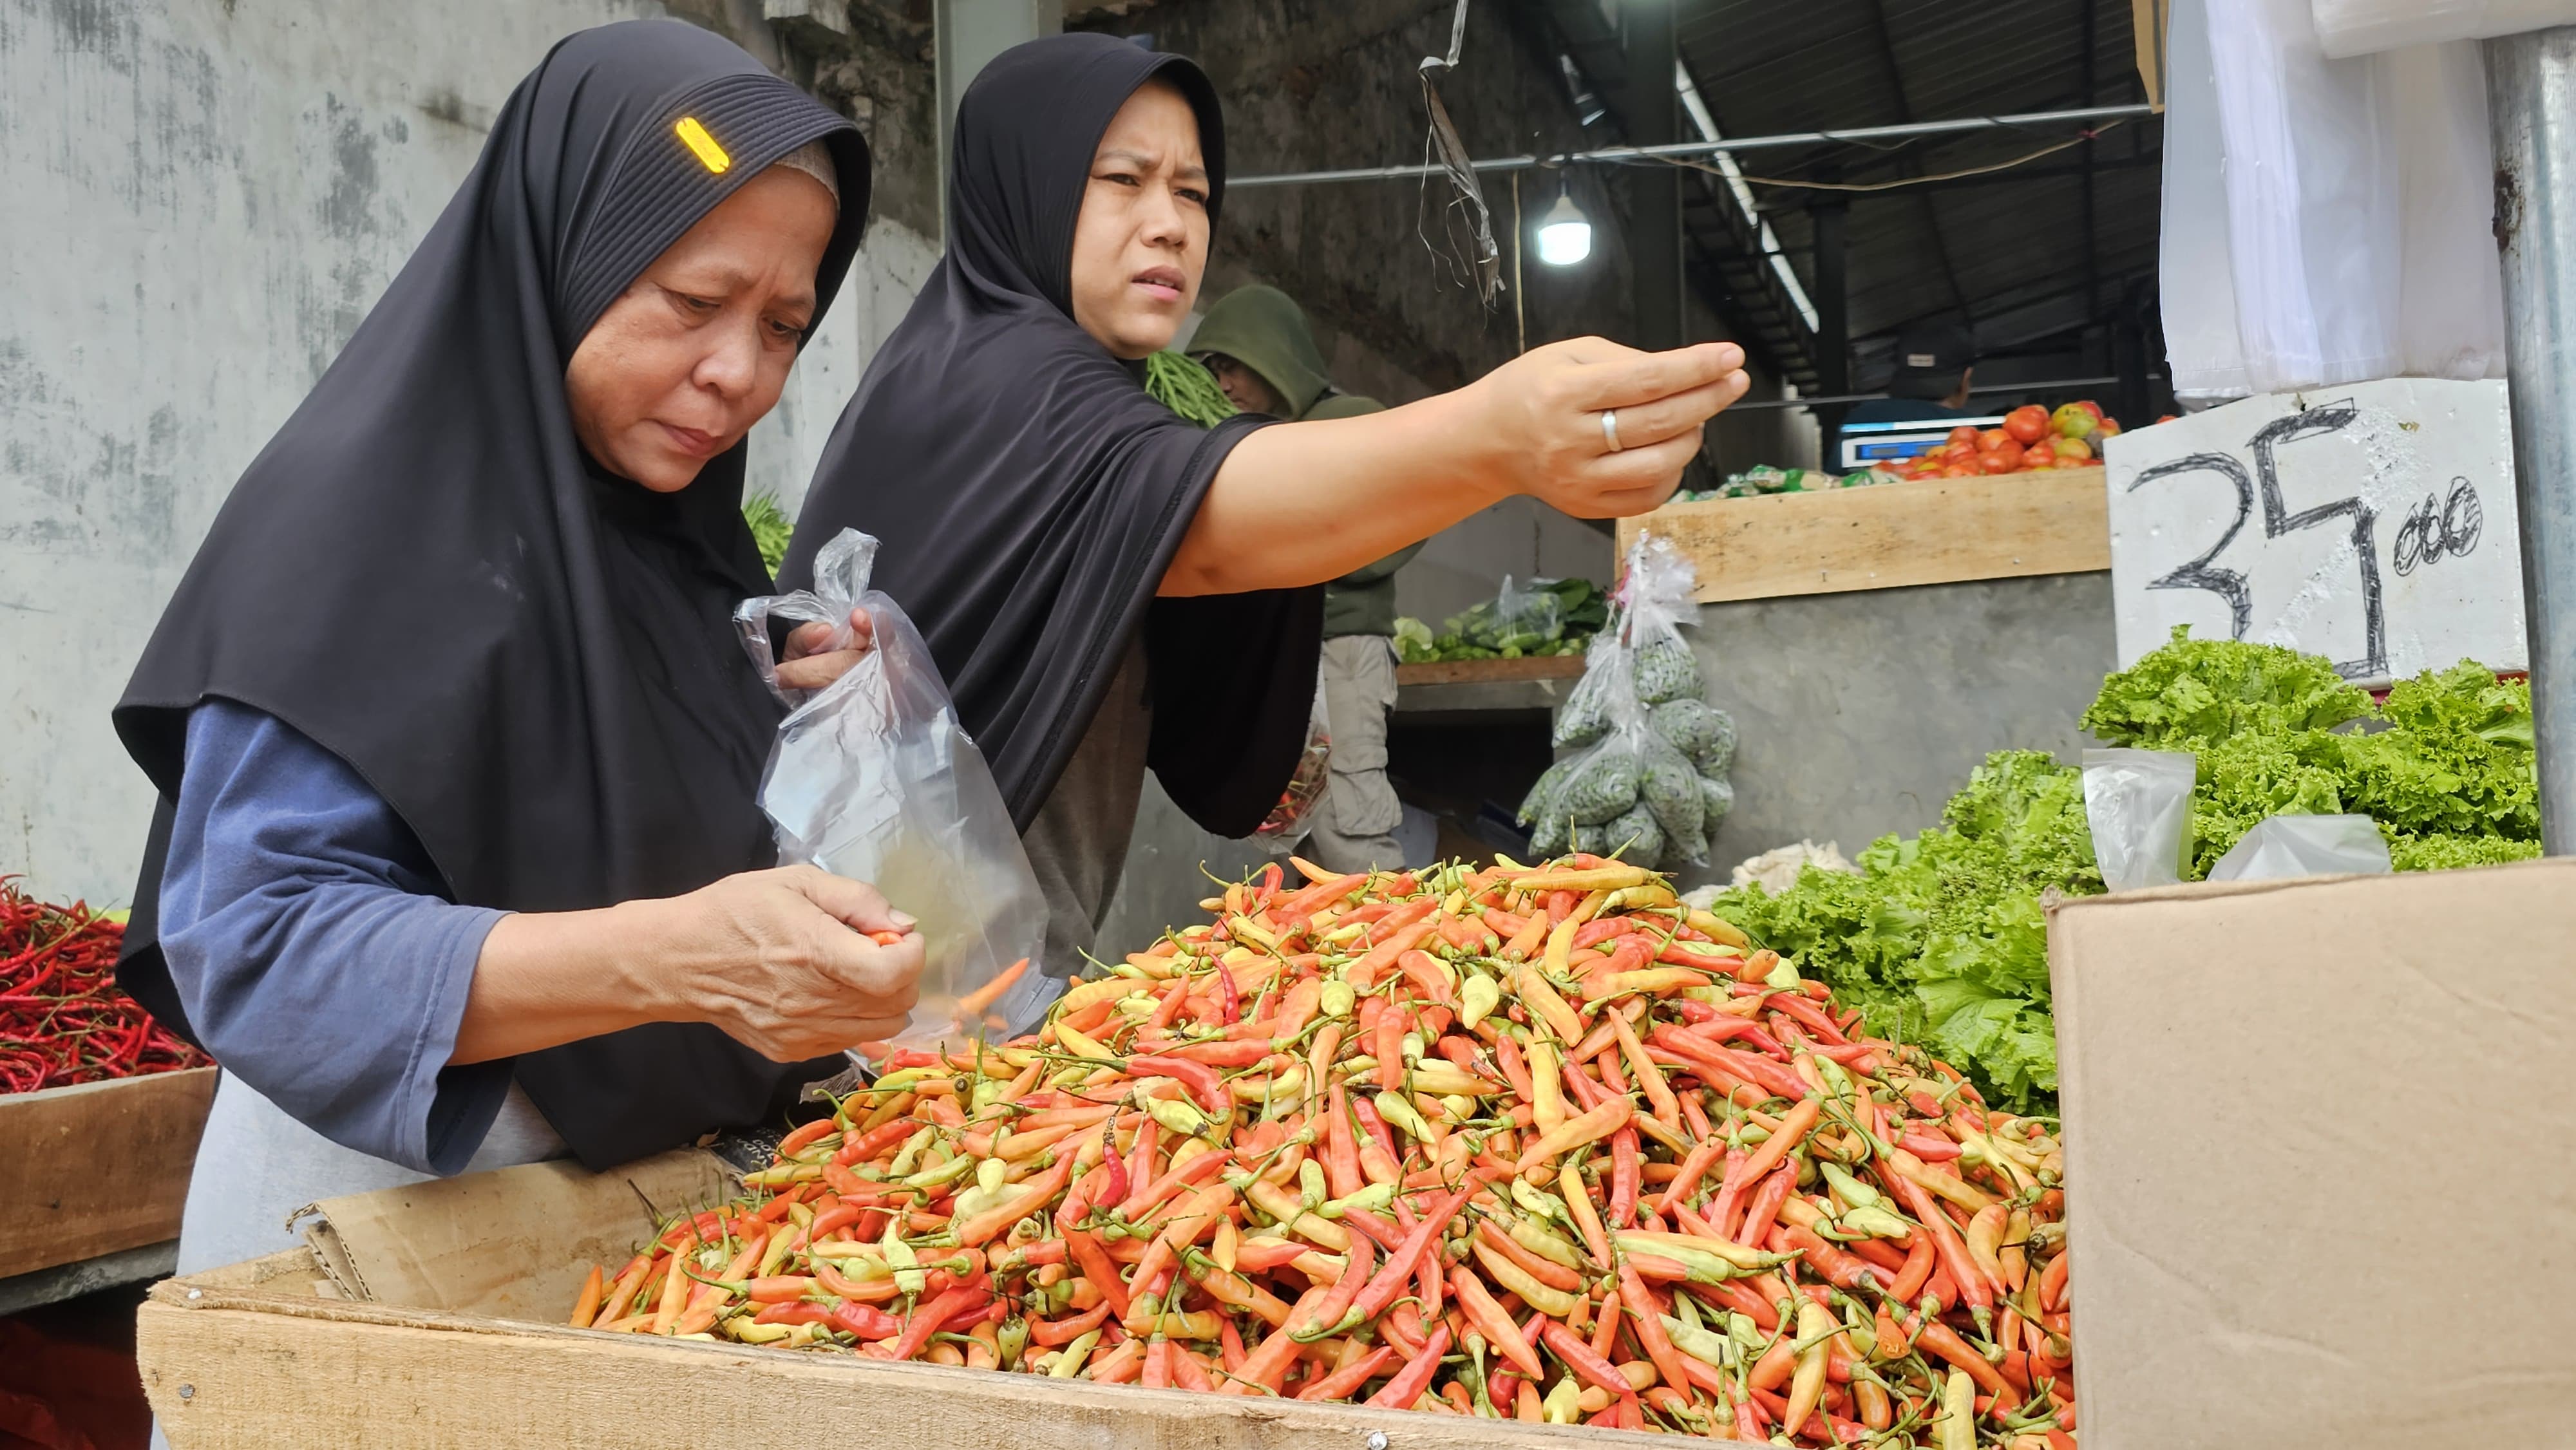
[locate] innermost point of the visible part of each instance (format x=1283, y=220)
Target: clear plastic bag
x=1526, y=618
x=2283, y=847
x=872, y=778
x=1630, y=791
x=2138, y=803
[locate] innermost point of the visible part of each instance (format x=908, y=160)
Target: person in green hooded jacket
x=1261, y=349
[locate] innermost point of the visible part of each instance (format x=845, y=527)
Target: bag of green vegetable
x=1525, y=618
x=1630, y=792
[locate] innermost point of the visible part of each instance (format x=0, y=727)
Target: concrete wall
x=1860, y=714
x=204, y=197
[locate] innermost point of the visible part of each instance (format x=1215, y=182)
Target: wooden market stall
x=1872, y=643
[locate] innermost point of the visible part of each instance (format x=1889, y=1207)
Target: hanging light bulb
x=1564, y=233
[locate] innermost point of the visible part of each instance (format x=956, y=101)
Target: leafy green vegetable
x=1942, y=940
x=1186, y=388
x=1550, y=617
x=771, y=529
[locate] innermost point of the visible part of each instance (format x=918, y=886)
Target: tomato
x=1963, y=434
x=1999, y=460
x=2027, y=423
x=1992, y=439
x=2169, y=418
x=2107, y=428
x=2089, y=406
x=2071, y=421
x=1961, y=470
x=2074, y=450
x=2039, y=455
x=1960, y=453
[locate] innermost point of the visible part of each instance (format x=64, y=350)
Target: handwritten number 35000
x=2432, y=531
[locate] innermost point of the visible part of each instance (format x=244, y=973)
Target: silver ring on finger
x=1610, y=428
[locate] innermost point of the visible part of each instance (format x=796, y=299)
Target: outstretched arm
x=1303, y=503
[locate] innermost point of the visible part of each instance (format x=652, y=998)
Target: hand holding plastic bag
x=872, y=778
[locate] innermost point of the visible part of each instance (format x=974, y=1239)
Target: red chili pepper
x=865, y=1321
x=1375, y=1124
x=1580, y=1358
x=1198, y=1077
x=1400, y=1392
x=933, y=1316
x=1625, y=1169
x=1344, y=1382
x=1341, y=1156
x=1775, y=1190
x=1809, y=1015
x=1390, y=1280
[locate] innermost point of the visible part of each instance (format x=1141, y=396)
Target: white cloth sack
x=2325, y=221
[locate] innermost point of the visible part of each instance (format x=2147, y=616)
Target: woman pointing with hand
x=1109, y=588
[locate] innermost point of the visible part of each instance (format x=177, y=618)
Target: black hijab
x=1029, y=492
x=530, y=660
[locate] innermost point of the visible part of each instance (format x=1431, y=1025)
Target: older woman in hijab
x=458, y=860
x=1108, y=588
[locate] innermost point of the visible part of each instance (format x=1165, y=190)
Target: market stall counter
x=1874, y=643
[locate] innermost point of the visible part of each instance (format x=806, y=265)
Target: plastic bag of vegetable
x=872, y=778
x=1631, y=791
x=1525, y=618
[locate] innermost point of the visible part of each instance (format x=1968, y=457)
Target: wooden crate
x=402, y=1330
x=97, y=1168
x=1932, y=531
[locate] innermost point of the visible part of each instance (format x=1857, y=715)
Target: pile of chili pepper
x=1525, y=1143
x=62, y=1020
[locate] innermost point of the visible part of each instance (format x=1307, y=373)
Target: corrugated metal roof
x=2011, y=255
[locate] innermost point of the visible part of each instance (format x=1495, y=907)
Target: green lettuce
x=1942, y=940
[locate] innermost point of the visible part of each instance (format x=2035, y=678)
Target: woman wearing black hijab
x=458, y=858
x=1107, y=587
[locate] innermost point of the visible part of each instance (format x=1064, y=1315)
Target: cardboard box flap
x=2317, y=1190
x=510, y=1244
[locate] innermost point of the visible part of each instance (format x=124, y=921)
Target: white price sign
x=2371, y=523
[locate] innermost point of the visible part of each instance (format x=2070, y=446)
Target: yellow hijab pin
x=702, y=145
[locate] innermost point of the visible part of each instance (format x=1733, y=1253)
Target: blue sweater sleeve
x=313, y=946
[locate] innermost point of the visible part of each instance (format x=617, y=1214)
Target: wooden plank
x=97, y=1168
x=1936, y=531
x=246, y=1368
x=1483, y=672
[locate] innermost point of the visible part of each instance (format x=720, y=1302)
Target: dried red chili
x=62, y=1019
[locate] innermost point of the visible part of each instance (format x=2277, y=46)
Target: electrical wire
x=1902, y=182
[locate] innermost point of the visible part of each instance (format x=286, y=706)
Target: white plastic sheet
x=2283, y=848
x=2325, y=221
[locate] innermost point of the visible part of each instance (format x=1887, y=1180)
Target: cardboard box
x=2319, y=1184
x=433, y=1316
x=97, y=1168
